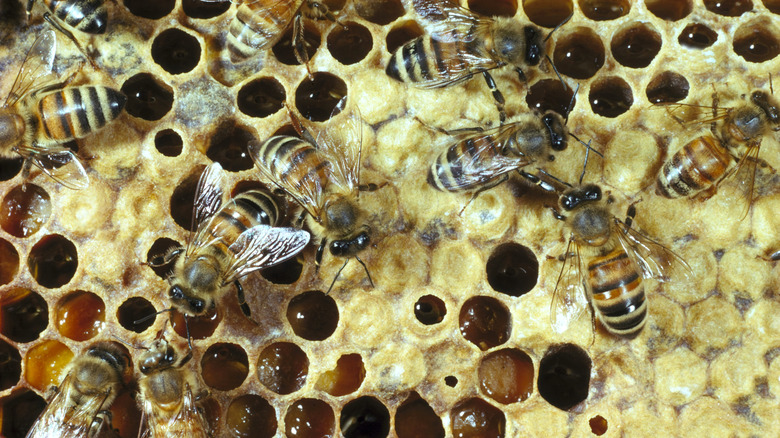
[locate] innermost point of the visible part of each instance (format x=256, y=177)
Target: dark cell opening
x=636, y=46
x=602, y=10
x=430, y=310
x=53, y=261
x=182, y=201
x=228, y=147
x=598, y=425
x=548, y=13
x=283, y=367
x=203, y=8
x=151, y=10
x=496, y=8
x=402, y=33
x=23, y=315
x=512, y=269
x=201, y=327
x=317, y=98
x=261, y=97
x=551, y=94
x=564, y=376
x=168, y=142
x=380, y=11
x=474, y=417
x=283, y=50
x=9, y=262
x=416, y=419
x=134, y=314
x=19, y=411
x=10, y=167
x=697, y=36
x=176, y=51
x=485, y=322
x=250, y=416
x=349, y=43
x=25, y=210
x=224, y=366
x=757, y=41
x=773, y=6
x=729, y=8
x=313, y=315
x=287, y=272
x=670, y=10
x=147, y=97
x=579, y=54
x=610, y=97
x=309, y=418
x=10, y=366
x=667, y=87
x=365, y=417
x=451, y=381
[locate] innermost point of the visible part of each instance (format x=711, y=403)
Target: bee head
x=534, y=45
x=557, y=129
x=186, y=303
x=341, y=216
x=516, y=45
x=350, y=247
x=577, y=196
x=762, y=100
x=160, y=356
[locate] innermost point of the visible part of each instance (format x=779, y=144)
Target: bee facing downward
x=37, y=119
x=79, y=407
x=231, y=240
x=322, y=176
x=620, y=257
x=462, y=44
x=166, y=394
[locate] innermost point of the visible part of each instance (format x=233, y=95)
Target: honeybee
x=88, y=16
x=260, y=24
x=231, y=240
x=166, y=394
x=621, y=257
x=36, y=119
x=79, y=406
x=462, y=44
x=707, y=160
x=322, y=176
x=484, y=159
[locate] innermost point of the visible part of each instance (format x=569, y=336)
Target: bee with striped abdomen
x=88, y=16
x=165, y=390
x=484, y=159
x=37, y=119
x=619, y=257
x=79, y=406
x=322, y=176
x=461, y=44
x=230, y=240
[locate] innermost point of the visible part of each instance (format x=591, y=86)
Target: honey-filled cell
x=671, y=10
x=564, y=376
x=24, y=314
x=282, y=367
x=24, y=210
x=476, y=418
x=551, y=95
x=9, y=262
x=512, y=269
x=345, y=379
x=603, y=10
x=598, y=425
x=252, y=416
x=200, y=327
x=416, y=419
x=309, y=418
x=507, y=376
x=485, y=322
x=430, y=310
x=126, y=414
x=80, y=315
x=45, y=362
x=548, y=13
x=729, y=8
x=53, y=261
x=224, y=366
x=667, y=87
x=579, y=54
x=636, y=45
x=313, y=315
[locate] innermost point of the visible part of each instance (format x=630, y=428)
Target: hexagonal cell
x=228, y=147
x=757, y=40
x=610, y=97
x=10, y=365
x=136, y=314
x=80, y=315
x=485, y=322
x=380, y=11
x=430, y=310
x=250, y=416
x=317, y=98
x=204, y=8
x=598, y=425
x=18, y=413
x=224, y=366
x=364, y=417
x=512, y=269
x=495, y=8
x=157, y=253
x=551, y=94
x=287, y=272
x=283, y=50
x=25, y=210
x=402, y=33
x=9, y=262
x=53, y=261
x=261, y=97
x=636, y=45
x=772, y=5
x=126, y=414
x=507, y=376
x=548, y=13
x=282, y=367
x=23, y=315
x=579, y=54
x=603, y=10
x=313, y=315
x=151, y=10
x=415, y=418
x=349, y=43
x=168, y=142
x=729, y=8
x=183, y=199
x=10, y=167
x=45, y=362
x=200, y=327
x=667, y=87
x=697, y=36
x=345, y=379
x=309, y=418
x=147, y=97
x=474, y=417
x=564, y=376
x=670, y=10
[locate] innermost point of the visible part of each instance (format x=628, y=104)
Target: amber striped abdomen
x=697, y=166
x=75, y=112
x=617, y=293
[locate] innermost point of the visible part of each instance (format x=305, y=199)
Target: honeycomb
x=454, y=339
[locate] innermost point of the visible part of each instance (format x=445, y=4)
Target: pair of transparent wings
x=60, y=418
x=256, y=248
x=650, y=258
x=35, y=73
x=187, y=422
x=288, y=7
x=338, y=146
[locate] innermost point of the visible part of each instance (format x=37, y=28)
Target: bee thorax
x=11, y=129
x=592, y=226
x=202, y=273
x=341, y=216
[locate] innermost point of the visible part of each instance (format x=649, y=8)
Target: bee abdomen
x=88, y=16
x=617, y=293
x=75, y=112
x=255, y=26
x=258, y=206
x=449, y=172
x=293, y=161
x=700, y=164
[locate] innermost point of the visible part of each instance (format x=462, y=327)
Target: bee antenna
x=771, y=88
x=187, y=329
x=337, y=276
x=587, y=145
x=366, y=269
x=123, y=342
x=555, y=69
x=559, y=25
x=585, y=166
x=571, y=103
x=150, y=316
x=553, y=177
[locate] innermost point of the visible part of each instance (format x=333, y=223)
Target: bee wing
x=59, y=163
x=309, y=195
x=209, y=195
x=459, y=64
x=450, y=22
x=262, y=246
x=62, y=418
x=690, y=115
x=343, y=150
x=36, y=66
x=569, y=300
x=745, y=173
x=653, y=259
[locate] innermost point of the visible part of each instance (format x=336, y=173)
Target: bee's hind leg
x=242, y=302
x=499, y=98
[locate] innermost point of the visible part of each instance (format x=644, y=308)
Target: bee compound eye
x=197, y=305
x=338, y=247
x=175, y=292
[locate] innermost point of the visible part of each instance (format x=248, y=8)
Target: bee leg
x=318, y=255
x=242, y=302
x=370, y=187
x=30, y=4
x=299, y=43
x=521, y=75
x=557, y=214
x=365, y=268
x=339, y=273
x=631, y=213
x=535, y=180
x=47, y=16
x=487, y=186
x=496, y=95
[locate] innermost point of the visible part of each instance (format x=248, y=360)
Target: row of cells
x=505, y=376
